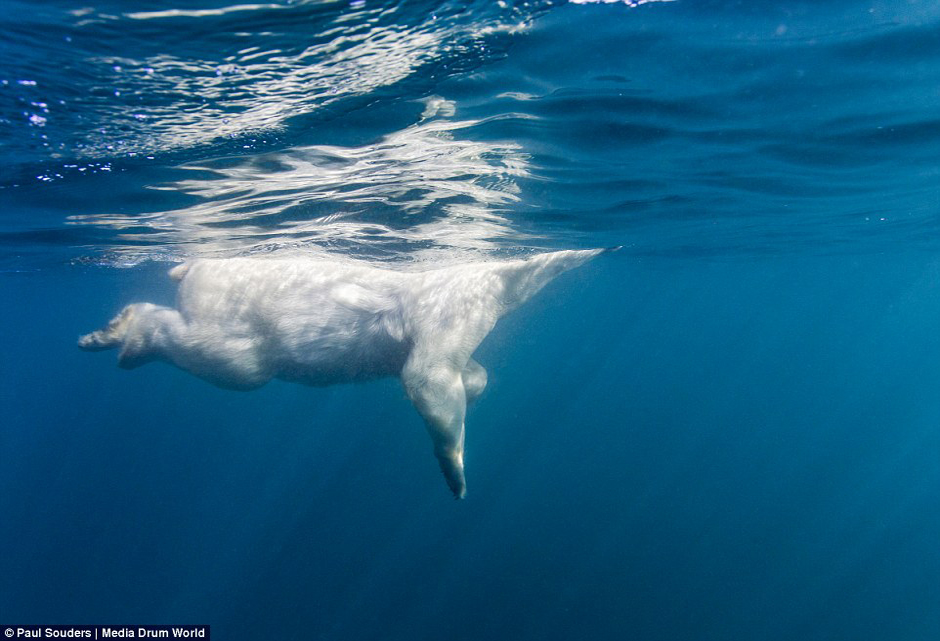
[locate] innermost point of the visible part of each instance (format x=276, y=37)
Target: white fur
x=241, y=322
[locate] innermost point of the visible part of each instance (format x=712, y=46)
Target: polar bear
x=240, y=322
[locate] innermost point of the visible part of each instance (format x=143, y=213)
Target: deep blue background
x=668, y=449
x=730, y=429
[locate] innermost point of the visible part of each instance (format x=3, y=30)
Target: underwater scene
x=481, y=320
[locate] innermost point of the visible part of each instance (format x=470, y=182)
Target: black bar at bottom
x=96, y=632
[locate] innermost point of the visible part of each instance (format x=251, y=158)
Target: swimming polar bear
x=240, y=322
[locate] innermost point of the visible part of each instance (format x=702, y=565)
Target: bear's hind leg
x=112, y=335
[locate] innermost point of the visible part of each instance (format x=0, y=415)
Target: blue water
x=730, y=429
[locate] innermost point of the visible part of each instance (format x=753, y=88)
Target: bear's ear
x=178, y=272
